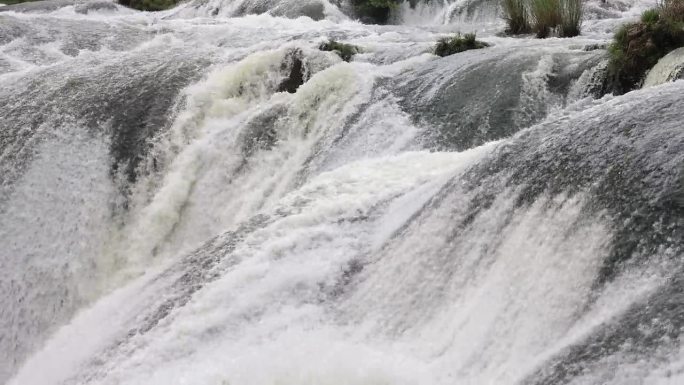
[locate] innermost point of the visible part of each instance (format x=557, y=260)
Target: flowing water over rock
x=669, y=68
x=201, y=196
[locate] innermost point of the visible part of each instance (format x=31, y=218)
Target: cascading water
x=201, y=196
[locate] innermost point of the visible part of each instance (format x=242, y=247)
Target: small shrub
x=455, y=44
x=515, y=14
x=546, y=15
x=571, y=12
x=672, y=10
x=345, y=51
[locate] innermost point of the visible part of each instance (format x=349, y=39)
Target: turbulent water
x=169, y=214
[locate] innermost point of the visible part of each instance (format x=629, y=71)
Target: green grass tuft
x=516, y=16
x=543, y=17
x=455, y=44
x=570, y=18
x=650, y=16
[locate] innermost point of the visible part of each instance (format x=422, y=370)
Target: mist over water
x=171, y=214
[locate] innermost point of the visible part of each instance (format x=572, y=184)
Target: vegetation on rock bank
x=637, y=47
x=455, y=44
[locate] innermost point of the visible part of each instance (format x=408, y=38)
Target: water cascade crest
x=203, y=196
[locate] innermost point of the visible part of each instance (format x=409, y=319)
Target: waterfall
x=468, y=13
x=202, y=196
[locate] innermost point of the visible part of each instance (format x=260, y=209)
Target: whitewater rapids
x=169, y=215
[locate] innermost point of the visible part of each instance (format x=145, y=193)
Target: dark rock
x=296, y=72
x=261, y=132
x=594, y=47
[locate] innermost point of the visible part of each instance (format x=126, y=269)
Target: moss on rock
x=345, y=51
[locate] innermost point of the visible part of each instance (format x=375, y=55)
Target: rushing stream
x=168, y=216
